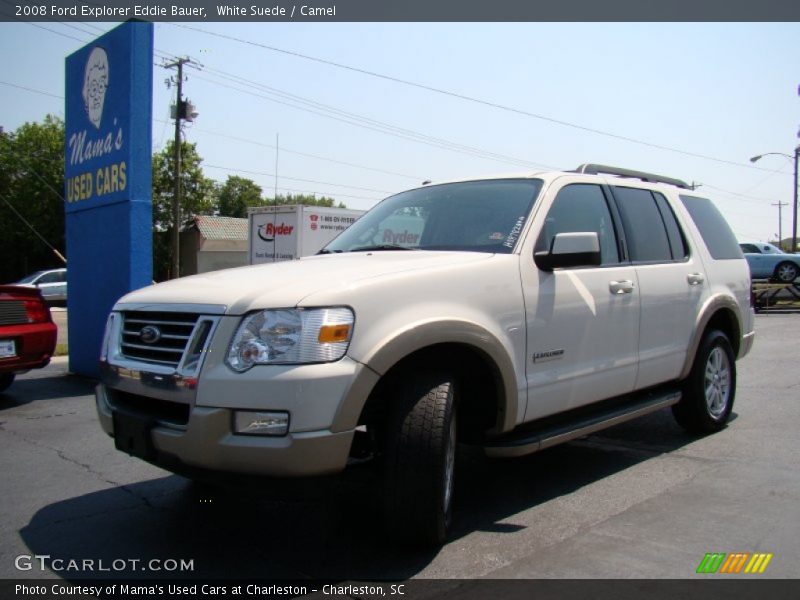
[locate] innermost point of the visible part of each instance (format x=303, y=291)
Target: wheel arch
x=471, y=352
x=720, y=312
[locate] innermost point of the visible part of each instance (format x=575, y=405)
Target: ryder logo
x=269, y=231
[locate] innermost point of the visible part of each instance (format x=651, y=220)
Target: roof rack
x=592, y=169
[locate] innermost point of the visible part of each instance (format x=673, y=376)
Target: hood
x=285, y=284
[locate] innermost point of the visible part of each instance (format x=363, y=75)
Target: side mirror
x=578, y=249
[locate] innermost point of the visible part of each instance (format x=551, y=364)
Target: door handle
x=618, y=288
x=695, y=278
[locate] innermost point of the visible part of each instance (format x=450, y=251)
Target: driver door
x=583, y=322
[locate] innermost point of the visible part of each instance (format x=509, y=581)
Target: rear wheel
x=709, y=391
x=786, y=272
x=420, y=459
x=6, y=379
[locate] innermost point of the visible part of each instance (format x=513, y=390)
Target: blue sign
x=108, y=181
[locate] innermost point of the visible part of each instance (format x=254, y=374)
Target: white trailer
x=277, y=233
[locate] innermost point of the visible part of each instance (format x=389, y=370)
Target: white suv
x=513, y=313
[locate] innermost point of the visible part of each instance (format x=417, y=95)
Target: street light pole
x=794, y=202
x=794, y=193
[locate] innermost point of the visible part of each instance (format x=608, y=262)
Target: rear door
x=672, y=282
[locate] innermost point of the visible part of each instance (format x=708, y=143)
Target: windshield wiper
x=381, y=247
x=326, y=251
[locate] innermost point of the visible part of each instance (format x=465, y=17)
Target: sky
x=688, y=100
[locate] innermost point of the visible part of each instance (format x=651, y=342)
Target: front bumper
x=207, y=442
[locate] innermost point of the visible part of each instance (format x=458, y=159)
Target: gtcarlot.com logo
x=734, y=563
x=44, y=562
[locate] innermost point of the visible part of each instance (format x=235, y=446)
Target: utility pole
x=780, y=206
x=181, y=113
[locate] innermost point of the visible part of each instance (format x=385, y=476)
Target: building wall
x=210, y=260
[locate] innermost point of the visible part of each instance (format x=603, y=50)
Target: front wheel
x=420, y=459
x=786, y=272
x=709, y=391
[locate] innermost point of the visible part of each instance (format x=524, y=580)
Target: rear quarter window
x=716, y=233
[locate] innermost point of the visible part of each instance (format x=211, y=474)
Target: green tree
x=236, y=194
x=306, y=200
x=32, y=183
x=198, y=197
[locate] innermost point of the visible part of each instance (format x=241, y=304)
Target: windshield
x=476, y=216
x=31, y=277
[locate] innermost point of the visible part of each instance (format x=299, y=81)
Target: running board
x=529, y=442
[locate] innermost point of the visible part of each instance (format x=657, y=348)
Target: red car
x=27, y=332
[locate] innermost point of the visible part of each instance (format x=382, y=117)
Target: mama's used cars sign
x=108, y=181
x=108, y=117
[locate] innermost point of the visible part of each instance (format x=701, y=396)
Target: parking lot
x=641, y=500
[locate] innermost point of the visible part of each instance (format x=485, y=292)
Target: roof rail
x=592, y=169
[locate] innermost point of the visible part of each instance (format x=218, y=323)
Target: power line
x=464, y=97
x=233, y=170
x=66, y=35
x=306, y=154
x=34, y=171
x=349, y=118
x=329, y=194
x=737, y=195
x=447, y=93
x=381, y=127
x=33, y=229
x=352, y=187
x=371, y=123
x=27, y=89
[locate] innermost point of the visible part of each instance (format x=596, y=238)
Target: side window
x=644, y=226
x=750, y=248
x=677, y=243
x=581, y=208
x=49, y=278
x=717, y=235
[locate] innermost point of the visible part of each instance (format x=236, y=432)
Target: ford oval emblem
x=150, y=334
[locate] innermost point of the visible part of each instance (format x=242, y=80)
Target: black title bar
x=400, y=10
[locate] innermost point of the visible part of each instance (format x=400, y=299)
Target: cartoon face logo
x=95, y=83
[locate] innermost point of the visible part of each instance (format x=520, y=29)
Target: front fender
x=381, y=358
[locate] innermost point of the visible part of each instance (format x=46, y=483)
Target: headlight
x=291, y=336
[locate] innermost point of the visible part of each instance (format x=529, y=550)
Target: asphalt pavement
x=641, y=500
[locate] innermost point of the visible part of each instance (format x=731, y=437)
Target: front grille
x=12, y=312
x=175, y=330
x=163, y=411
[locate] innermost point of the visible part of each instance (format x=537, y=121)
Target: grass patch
x=61, y=350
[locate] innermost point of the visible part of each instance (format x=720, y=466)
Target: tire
x=709, y=391
x=786, y=272
x=6, y=379
x=419, y=464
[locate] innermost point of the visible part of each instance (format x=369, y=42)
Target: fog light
x=260, y=423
